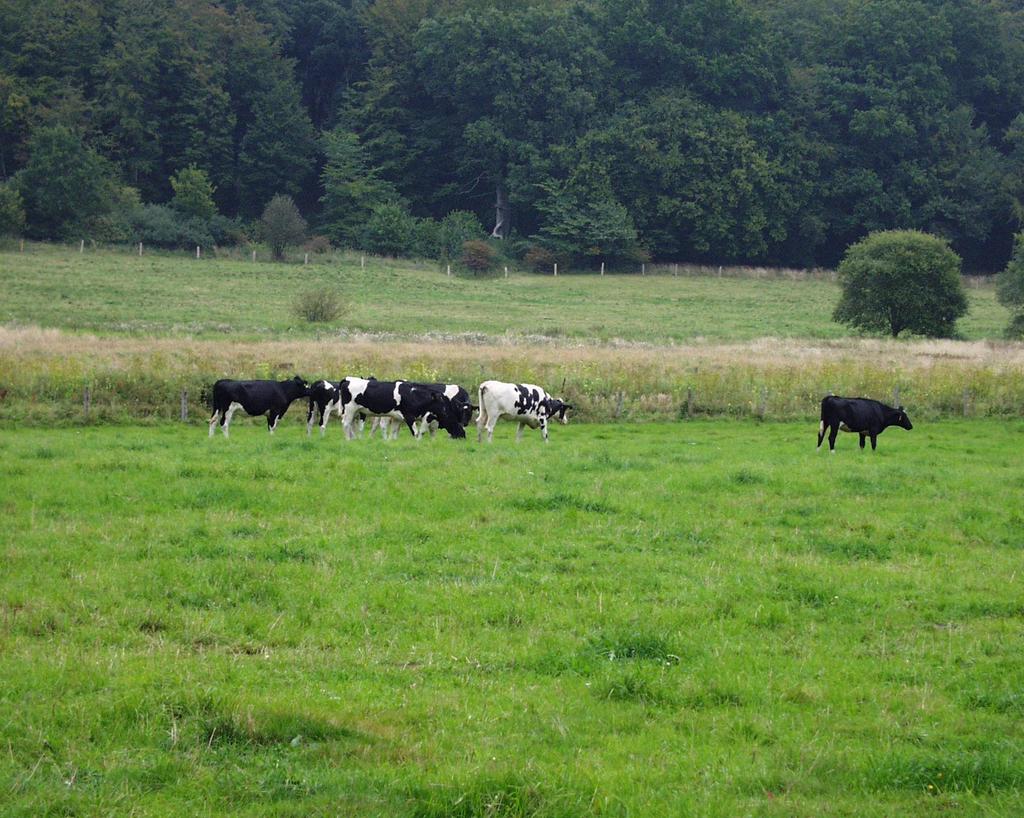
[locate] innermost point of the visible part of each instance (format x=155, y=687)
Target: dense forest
x=769, y=131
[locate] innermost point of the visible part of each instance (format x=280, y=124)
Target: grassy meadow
x=107, y=292
x=705, y=618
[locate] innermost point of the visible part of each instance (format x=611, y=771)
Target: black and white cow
x=270, y=398
x=524, y=403
x=324, y=398
x=461, y=405
x=399, y=400
x=863, y=416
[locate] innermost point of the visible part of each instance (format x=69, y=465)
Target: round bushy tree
x=12, y=212
x=1010, y=288
x=193, y=193
x=281, y=225
x=901, y=280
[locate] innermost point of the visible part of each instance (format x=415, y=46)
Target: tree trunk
x=503, y=214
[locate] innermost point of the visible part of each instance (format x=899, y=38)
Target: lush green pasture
x=107, y=291
x=704, y=618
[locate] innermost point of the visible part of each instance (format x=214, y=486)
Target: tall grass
x=45, y=373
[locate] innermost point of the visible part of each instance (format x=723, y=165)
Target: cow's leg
x=519, y=431
x=393, y=427
x=325, y=414
x=874, y=442
x=544, y=428
x=481, y=422
x=833, y=433
x=272, y=418
x=225, y=420
x=863, y=437
x=821, y=433
x=491, y=423
x=213, y=421
x=309, y=416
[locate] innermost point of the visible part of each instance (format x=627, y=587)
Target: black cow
x=271, y=398
x=866, y=417
x=400, y=400
x=324, y=398
x=459, y=398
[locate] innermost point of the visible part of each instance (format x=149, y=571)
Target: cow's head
x=300, y=386
x=900, y=419
x=556, y=409
x=463, y=412
x=448, y=416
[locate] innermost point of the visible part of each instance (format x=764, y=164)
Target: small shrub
x=317, y=245
x=321, y=305
x=193, y=193
x=390, y=231
x=478, y=256
x=542, y=260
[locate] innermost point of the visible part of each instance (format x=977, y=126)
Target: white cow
x=525, y=403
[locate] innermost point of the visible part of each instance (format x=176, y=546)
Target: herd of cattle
x=421, y=406
x=427, y=406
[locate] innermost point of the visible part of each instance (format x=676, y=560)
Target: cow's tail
x=481, y=416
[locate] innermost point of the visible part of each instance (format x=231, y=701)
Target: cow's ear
x=900, y=408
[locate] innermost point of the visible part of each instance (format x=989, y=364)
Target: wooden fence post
x=449, y=270
x=618, y=405
x=643, y=269
x=86, y=403
x=895, y=396
x=362, y=262
x=556, y=268
x=21, y=249
x=140, y=249
x=967, y=402
x=197, y=251
x=184, y=405
x=602, y=268
x=689, y=401
x=506, y=272
x=762, y=409
x=307, y=259
x=81, y=247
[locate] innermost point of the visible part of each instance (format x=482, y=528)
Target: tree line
x=775, y=131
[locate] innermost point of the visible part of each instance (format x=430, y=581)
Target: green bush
x=390, y=231
x=455, y=229
x=163, y=226
x=320, y=305
x=901, y=280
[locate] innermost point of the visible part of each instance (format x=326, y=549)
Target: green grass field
x=117, y=292
x=704, y=618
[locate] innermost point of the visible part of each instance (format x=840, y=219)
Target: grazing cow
x=398, y=400
x=525, y=403
x=461, y=405
x=271, y=398
x=863, y=416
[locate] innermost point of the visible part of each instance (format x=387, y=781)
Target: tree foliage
x=901, y=280
x=777, y=131
x=12, y=212
x=1011, y=288
x=193, y=193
